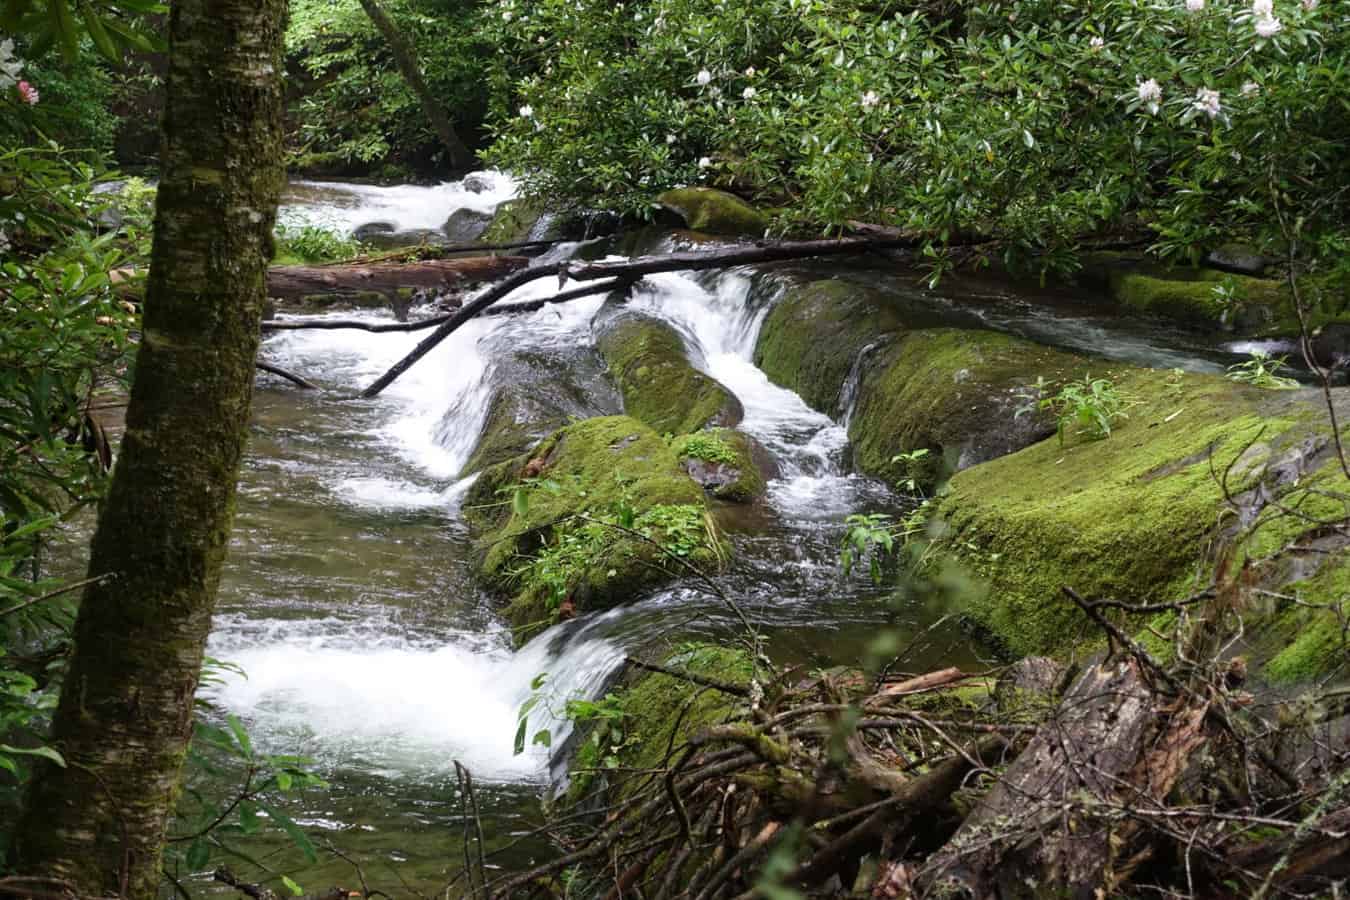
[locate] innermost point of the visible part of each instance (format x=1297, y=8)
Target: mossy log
x=297, y=282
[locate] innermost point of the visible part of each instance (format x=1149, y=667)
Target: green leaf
x=293, y=831
x=543, y=738
x=248, y=817
x=519, y=745
x=44, y=752
x=240, y=736
x=63, y=27
x=520, y=502
x=291, y=886
x=198, y=854
x=99, y=35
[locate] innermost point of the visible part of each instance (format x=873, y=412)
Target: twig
x=703, y=680
x=289, y=376
x=97, y=579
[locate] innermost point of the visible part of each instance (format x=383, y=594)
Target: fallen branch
x=289, y=376
x=424, y=324
x=673, y=262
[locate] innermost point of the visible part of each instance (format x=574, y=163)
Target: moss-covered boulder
x=1201, y=297
x=814, y=334
x=956, y=394
x=596, y=513
x=650, y=364
x=535, y=393
x=658, y=713
x=714, y=212
x=725, y=462
x=1130, y=517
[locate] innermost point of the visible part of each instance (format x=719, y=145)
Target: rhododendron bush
x=1033, y=121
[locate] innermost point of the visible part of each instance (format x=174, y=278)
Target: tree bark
x=405, y=56
x=293, y=282
x=125, y=715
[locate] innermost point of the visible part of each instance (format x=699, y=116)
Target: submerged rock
x=536, y=393
x=535, y=548
x=714, y=212
x=650, y=364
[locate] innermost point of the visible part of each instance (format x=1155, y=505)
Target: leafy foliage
x=1262, y=370
x=1092, y=406
x=707, y=446
x=354, y=107
x=1028, y=120
x=315, y=244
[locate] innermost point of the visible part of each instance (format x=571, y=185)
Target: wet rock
x=814, y=334
x=1240, y=259
x=514, y=221
x=477, y=183
x=537, y=392
x=1331, y=345
x=957, y=394
x=714, y=212
x=372, y=231
x=649, y=362
x=413, y=237
x=466, y=225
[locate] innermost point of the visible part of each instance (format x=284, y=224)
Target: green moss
x=513, y=221
x=955, y=393
x=1127, y=517
x=731, y=453
x=715, y=212
x=660, y=387
x=1195, y=296
x=663, y=711
x=813, y=335
x=596, y=467
x=1310, y=641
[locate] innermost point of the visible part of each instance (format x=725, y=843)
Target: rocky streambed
x=544, y=493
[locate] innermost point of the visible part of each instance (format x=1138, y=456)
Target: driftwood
x=293, y=282
x=634, y=269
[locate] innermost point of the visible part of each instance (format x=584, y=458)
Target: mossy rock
x=956, y=394
x=513, y=221
x=1194, y=297
x=714, y=212
x=724, y=461
x=1304, y=642
x=1129, y=517
x=650, y=364
x=595, y=467
x=813, y=335
x=661, y=712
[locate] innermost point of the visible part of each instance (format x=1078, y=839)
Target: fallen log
x=294, y=282
x=384, y=277
x=1110, y=741
x=634, y=269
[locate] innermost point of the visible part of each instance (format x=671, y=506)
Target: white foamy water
x=345, y=206
x=721, y=326
x=364, y=695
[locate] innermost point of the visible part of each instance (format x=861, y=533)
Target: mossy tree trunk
x=125, y=715
x=405, y=56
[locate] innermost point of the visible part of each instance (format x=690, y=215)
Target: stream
x=349, y=598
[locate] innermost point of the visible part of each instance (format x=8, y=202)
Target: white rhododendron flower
x=749, y=93
x=1250, y=89
x=1268, y=27
x=704, y=77
x=1263, y=9
x=1195, y=5
x=526, y=111
x=1207, y=101
x=1097, y=42
x=870, y=99
x=1150, y=94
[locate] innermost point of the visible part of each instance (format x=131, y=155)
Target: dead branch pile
x=1123, y=777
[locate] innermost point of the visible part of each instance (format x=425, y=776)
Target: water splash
x=345, y=207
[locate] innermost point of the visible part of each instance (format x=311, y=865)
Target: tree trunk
x=125, y=715
x=405, y=55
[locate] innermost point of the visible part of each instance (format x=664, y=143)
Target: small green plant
x=1094, y=405
x=1262, y=370
x=315, y=244
x=708, y=446
x=912, y=465
x=876, y=536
